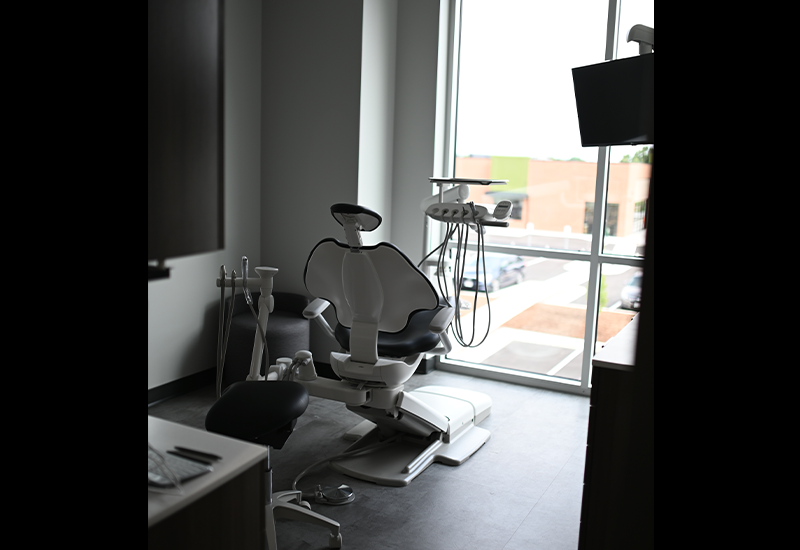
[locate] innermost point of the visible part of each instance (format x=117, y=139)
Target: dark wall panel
x=184, y=128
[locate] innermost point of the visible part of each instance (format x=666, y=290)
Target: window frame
x=595, y=257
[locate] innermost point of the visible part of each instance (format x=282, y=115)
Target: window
x=628, y=186
x=612, y=213
x=515, y=119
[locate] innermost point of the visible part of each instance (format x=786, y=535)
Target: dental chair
x=389, y=316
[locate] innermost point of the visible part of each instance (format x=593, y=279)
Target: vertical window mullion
x=612, y=30
x=599, y=219
x=593, y=288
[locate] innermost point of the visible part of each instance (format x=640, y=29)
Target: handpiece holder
x=452, y=205
x=266, y=304
x=644, y=36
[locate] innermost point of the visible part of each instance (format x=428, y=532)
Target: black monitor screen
x=615, y=102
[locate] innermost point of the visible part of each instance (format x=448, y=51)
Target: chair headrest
x=366, y=219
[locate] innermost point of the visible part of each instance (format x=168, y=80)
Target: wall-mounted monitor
x=615, y=102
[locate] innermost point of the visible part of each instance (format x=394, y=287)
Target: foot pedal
x=335, y=496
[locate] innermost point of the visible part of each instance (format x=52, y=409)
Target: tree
x=644, y=156
x=603, y=292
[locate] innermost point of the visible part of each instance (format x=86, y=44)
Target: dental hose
x=220, y=332
x=249, y=299
x=260, y=331
x=458, y=275
x=222, y=340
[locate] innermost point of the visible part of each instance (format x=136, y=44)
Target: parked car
x=632, y=292
x=501, y=270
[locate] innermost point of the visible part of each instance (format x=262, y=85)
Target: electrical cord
x=220, y=330
x=480, y=261
x=294, y=367
x=440, y=266
x=432, y=251
x=226, y=333
x=260, y=331
x=458, y=277
x=166, y=471
x=337, y=457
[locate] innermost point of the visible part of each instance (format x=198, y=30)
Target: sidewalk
x=533, y=327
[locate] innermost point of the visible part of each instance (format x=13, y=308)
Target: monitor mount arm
x=644, y=36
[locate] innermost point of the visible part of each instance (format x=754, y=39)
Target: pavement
x=540, y=351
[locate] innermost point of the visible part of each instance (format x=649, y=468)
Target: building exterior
x=552, y=195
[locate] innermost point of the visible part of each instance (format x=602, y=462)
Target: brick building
x=549, y=194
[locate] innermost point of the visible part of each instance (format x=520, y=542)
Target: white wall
x=182, y=310
x=418, y=30
x=311, y=62
x=376, y=126
x=305, y=128
x=311, y=66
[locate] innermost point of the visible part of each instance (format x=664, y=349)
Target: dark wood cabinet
x=608, y=442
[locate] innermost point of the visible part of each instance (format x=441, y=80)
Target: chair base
x=398, y=463
x=282, y=507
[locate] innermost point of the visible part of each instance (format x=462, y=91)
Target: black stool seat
x=263, y=412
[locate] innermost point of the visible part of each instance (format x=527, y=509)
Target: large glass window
x=562, y=272
x=537, y=309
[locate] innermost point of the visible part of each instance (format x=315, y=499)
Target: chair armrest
x=315, y=308
x=442, y=320
x=314, y=311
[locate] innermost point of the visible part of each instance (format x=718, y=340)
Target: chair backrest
x=382, y=286
x=404, y=289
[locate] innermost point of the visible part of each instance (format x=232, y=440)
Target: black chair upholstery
x=416, y=337
x=259, y=412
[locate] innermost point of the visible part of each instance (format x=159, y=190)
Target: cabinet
x=221, y=509
x=608, y=442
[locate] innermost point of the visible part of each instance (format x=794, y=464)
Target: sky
x=516, y=96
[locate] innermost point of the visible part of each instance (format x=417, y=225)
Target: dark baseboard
x=183, y=385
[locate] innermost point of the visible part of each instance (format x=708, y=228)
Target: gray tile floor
x=522, y=490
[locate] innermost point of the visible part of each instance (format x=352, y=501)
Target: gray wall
x=317, y=112
x=418, y=115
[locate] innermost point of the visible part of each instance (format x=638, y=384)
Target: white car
x=632, y=292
